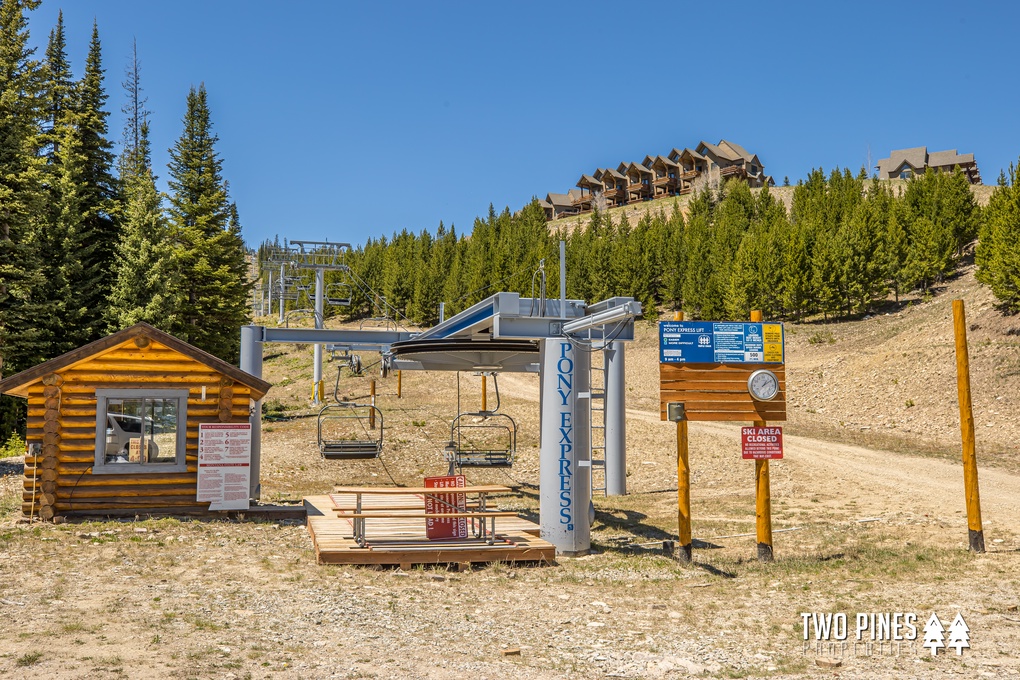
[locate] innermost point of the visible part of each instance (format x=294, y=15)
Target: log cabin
x=113, y=426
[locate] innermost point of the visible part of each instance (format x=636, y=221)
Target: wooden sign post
x=707, y=371
x=970, y=475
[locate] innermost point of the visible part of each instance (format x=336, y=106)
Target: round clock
x=763, y=385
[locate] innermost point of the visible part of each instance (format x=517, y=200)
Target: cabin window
x=906, y=173
x=754, y=169
x=140, y=431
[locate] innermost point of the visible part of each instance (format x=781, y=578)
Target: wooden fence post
x=975, y=532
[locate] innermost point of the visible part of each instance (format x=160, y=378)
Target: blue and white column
x=565, y=448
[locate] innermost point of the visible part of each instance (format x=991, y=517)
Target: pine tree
x=147, y=287
x=894, y=251
x=998, y=252
x=136, y=115
x=929, y=253
x=91, y=211
x=862, y=266
x=207, y=242
x=22, y=205
x=59, y=87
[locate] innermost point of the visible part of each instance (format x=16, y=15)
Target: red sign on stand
x=437, y=528
x=762, y=443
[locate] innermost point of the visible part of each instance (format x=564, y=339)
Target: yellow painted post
x=371, y=412
x=683, y=480
x=970, y=474
x=400, y=379
x=762, y=491
x=683, y=475
x=484, y=394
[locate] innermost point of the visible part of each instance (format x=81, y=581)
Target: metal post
x=320, y=279
x=975, y=531
x=371, y=412
x=283, y=285
x=615, y=420
x=442, y=312
x=251, y=363
x=270, y=287
x=762, y=492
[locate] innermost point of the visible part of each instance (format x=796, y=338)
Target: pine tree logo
x=959, y=634
x=933, y=634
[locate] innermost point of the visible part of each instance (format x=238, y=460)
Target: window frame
x=99, y=464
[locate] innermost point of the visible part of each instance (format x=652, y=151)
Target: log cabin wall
x=62, y=424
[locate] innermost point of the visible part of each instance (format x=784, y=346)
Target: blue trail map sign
x=720, y=342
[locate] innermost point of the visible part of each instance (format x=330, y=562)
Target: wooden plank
x=483, y=488
x=718, y=392
x=401, y=540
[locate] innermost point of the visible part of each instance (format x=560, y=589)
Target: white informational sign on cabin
x=224, y=465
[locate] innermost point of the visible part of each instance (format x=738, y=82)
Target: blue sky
x=343, y=120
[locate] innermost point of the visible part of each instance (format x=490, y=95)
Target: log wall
x=62, y=420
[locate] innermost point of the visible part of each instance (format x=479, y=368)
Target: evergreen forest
x=848, y=244
x=88, y=245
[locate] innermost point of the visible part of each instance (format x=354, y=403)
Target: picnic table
x=476, y=512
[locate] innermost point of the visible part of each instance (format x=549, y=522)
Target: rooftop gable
x=560, y=200
x=17, y=384
x=736, y=149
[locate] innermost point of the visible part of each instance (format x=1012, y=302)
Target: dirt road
x=878, y=483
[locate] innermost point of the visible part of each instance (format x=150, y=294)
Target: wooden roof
x=16, y=384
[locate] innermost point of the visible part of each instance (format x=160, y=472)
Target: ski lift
x=489, y=439
x=345, y=429
x=339, y=294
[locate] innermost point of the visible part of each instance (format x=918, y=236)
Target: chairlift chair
x=339, y=294
x=343, y=432
x=344, y=435
x=491, y=443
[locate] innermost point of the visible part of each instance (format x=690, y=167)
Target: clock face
x=763, y=385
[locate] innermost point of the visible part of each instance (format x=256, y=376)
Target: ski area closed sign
x=761, y=443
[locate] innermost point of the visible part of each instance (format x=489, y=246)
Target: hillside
x=885, y=381
x=635, y=212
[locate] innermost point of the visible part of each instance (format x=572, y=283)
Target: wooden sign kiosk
x=718, y=391
x=113, y=427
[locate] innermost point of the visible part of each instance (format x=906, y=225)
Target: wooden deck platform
x=401, y=541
